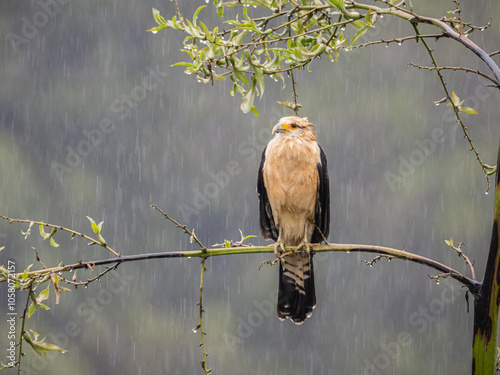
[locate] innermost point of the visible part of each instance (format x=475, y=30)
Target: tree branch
x=471, y=284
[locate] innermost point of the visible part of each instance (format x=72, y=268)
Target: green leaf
x=159, y=18
x=362, y=31
x=291, y=105
x=28, y=232
x=259, y=77
x=206, y=31
x=196, y=12
x=247, y=102
x=455, y=99
x=52, y=242
x=40, y=346
x=240, y=75
x=97, y=230
x=44, y=294
x=95, y=227
x=470, y=111
x=43, y=233
x=25, y=273
x=190, y=65
x=220, y=9
x=160, y=21
x=31, y=310
x=340, y=5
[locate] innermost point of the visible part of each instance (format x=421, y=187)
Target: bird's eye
x=294, y=126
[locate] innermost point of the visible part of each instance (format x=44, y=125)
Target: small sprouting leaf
x=45, y=307
x=28, y=232
x=44, y=294
x=31, y=310
x=97, y=230
x=195, y=329
x=227, y=244
x=42, y=232
x=40, y=346
x=291, y=105
x=25, y=273
x=455, y=100
x=52, y=242
x=159, y=20
x=438, y=102
x=470, y=111
x=449, y=243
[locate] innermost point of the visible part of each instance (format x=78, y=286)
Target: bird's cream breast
x=291, y=175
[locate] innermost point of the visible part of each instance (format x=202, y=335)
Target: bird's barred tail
x=296, y=296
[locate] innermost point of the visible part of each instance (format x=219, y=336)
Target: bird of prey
x=294, y=194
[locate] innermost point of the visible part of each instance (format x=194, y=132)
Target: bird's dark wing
x=267, y=226
x=322, y=216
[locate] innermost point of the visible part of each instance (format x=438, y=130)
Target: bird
x=294, y=205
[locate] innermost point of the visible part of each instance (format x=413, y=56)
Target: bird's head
x=292, y=126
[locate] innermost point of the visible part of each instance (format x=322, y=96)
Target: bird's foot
x=306, y=246
x=279, y=246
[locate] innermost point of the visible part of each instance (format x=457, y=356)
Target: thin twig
x=443, y=275
x=58, y=227
x=202, y=331
x=23, y=320
x=459, y=17
x=399, y=40
x=376, y=259
x=468, y=70
x=455, y=108
x=183, y=227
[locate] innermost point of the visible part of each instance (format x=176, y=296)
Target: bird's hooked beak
x=278, y=128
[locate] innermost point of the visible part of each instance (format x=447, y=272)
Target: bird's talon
x=279, y=248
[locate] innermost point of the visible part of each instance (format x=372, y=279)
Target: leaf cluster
x=291, y=36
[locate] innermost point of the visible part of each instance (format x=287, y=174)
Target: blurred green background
x=90, y=88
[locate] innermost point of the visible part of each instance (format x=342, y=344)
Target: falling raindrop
x=154, y=31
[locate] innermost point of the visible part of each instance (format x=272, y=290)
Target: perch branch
x=471, y=284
